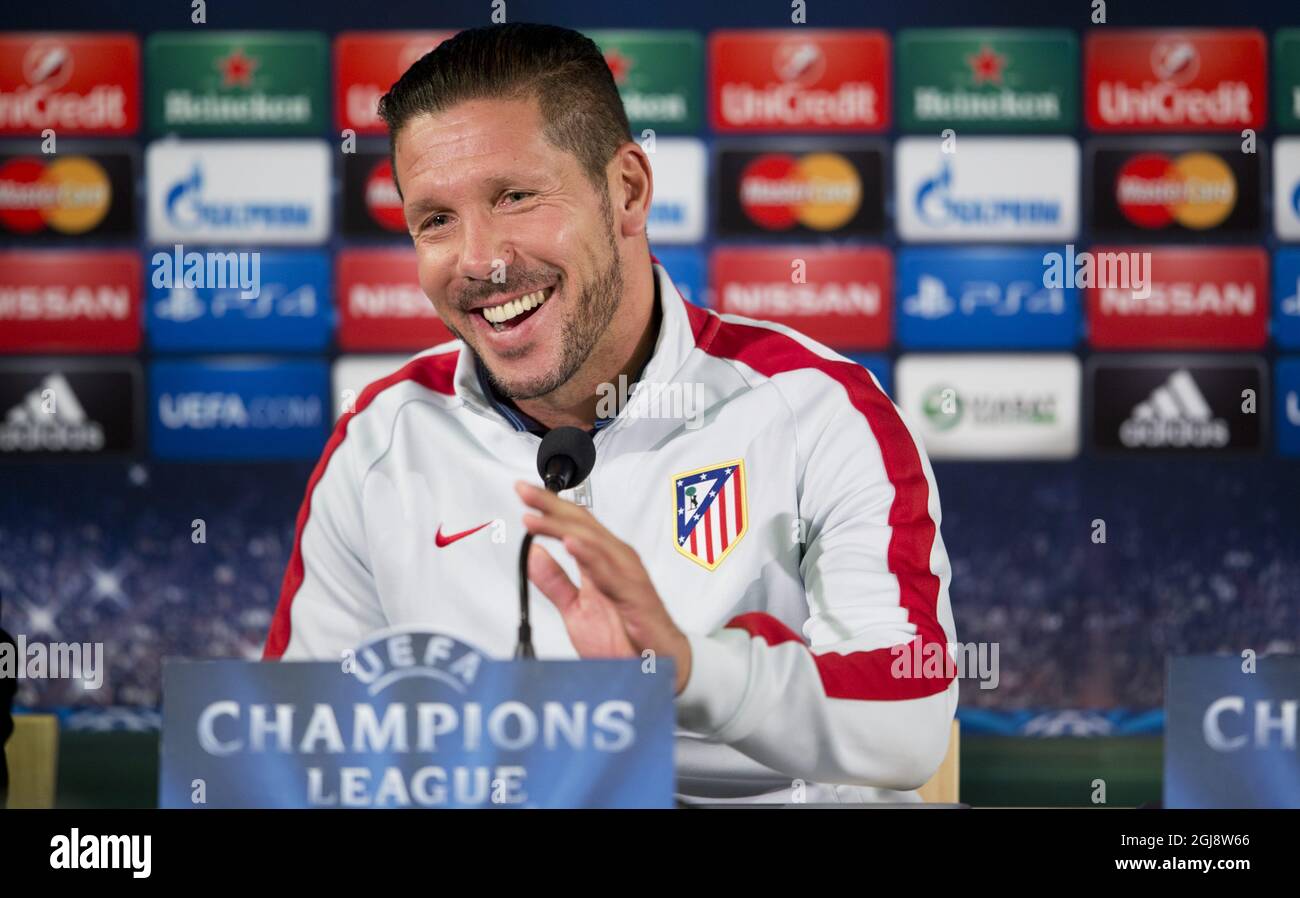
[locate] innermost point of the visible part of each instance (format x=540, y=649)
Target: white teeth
x=516, y=307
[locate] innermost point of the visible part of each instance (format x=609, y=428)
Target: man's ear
x=633, y=189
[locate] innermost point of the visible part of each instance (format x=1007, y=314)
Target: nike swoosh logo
x=450, y=538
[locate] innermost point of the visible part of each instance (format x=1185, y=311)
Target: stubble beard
x=579, y=334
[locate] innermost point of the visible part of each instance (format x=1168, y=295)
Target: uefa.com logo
x=208, y=270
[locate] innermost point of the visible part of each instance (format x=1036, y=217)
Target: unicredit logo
x=48, y=66
x=800, y=62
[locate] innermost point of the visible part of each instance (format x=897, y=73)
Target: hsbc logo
x=75, y=84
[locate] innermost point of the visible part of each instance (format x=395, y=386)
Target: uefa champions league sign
x=1231, y=728
x=417, y=719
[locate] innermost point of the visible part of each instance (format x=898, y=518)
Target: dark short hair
x=565, y=70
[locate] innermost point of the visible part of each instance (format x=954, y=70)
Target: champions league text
x=403, y=735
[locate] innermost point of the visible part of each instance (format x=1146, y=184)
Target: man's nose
x=484, y=249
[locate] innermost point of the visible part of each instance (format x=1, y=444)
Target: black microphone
x=564, y=460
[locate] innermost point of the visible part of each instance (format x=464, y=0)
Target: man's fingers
x=547, y=575
x=543, y=525
x=596, y=561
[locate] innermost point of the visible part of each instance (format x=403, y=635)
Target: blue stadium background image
x=1201, y=556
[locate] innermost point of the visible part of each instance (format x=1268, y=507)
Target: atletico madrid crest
x=710, y=511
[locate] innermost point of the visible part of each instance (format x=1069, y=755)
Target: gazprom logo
x=937, y=206
x=187, y=208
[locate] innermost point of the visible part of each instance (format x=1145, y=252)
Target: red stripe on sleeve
x=857, y=675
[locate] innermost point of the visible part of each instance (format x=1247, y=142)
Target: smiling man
x=783, y=549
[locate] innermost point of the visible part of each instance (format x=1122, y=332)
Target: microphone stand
x=558, y=474
x=524, y=649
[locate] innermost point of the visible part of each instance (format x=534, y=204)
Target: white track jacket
x=790, y=524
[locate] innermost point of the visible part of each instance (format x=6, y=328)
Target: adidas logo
x=50, y=419
x=1174, y=416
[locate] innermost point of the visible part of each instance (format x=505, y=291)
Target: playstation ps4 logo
x=187, y=208
x=932, y=300
x=938, y=206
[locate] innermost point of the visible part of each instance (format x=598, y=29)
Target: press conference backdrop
x=1116, y=459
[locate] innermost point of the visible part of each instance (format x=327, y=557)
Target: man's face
x=515, y=246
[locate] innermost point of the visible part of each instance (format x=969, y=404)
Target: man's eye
x=517, y=196
x=435, y=221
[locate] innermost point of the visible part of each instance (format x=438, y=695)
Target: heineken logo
x=237, y=69
x=658, y=74
x=987, y=79
x=1286, y=75
x=237, y=82
x=619, y=64
x=987, y=65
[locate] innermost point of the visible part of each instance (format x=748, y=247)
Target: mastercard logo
x=382, y=199
x=821, y=191
x=1195, y=190
x=70, y=195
